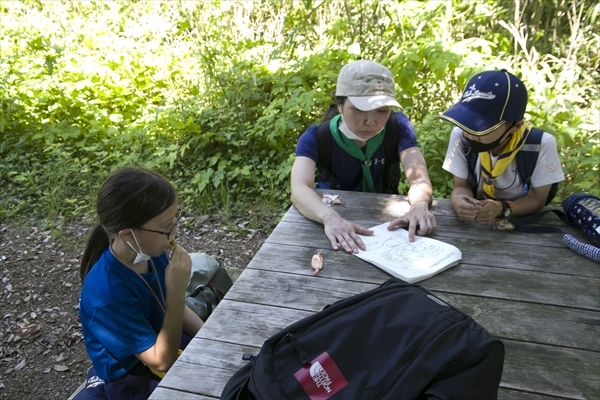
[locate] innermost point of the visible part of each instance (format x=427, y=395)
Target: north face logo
x=322, y=378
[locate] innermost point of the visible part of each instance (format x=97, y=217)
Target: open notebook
x=412, y=262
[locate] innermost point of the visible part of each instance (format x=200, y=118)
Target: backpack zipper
x=299, y=350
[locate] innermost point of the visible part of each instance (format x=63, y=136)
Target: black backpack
x=391, y=172
x=397, y=341
x=526, y=159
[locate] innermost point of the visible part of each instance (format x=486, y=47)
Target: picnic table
x=540, y=297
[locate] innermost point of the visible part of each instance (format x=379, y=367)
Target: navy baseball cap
x=490, y=99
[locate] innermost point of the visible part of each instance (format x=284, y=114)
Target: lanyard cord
x=150, y=287
x=161, y=304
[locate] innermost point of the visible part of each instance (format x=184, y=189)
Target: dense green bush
x=215, y=94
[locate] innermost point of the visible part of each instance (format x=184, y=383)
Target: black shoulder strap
x=471, y=164
x=391, y=172
x=521, y=223
x=325, y=143
x=325, y=146
x=391, y=138
x=526, y=160
x=527, y=157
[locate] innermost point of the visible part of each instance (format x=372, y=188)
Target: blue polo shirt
x=346, y=169
x=120, y=316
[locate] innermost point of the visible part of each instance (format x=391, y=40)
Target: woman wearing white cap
x=357, y=150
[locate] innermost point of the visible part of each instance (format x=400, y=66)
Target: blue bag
x=583, y=210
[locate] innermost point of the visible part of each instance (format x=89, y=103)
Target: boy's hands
x=466, y=207
x=483, y=212
x=489, y=211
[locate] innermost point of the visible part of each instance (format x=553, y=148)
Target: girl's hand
x=177, y=275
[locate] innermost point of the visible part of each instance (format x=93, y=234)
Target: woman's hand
x=418, y=216
x=343, y=234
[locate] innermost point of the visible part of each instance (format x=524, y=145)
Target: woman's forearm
x=309, y=203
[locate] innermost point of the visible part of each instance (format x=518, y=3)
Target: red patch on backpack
x=322, y=378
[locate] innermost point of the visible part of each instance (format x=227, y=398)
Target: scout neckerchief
x=350, y=147
x=489, y=173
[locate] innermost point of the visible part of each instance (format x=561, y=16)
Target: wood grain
x=541, y=298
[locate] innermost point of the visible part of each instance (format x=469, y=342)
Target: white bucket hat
x=367, y=84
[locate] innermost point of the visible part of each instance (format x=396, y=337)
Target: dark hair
x=332, y=110
x=130, y=197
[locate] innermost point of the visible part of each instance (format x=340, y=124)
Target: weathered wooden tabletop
x=540, y=297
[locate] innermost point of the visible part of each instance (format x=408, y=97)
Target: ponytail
x=96, y=244
x=332, y=110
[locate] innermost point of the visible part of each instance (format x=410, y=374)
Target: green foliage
x=214, y=94
x=433, y=144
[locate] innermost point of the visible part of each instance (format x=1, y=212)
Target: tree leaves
x=110, y=88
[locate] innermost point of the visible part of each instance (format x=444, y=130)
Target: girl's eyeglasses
x=167, y=234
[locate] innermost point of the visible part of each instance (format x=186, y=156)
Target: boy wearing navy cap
x=489, y=121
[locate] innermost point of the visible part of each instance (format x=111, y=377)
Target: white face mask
x=351, y=135
x=140, y=256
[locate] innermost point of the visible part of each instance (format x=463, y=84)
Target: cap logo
x=377, y=83
x=378, y=79
x=472, y=93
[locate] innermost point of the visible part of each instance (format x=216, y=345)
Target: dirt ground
x=42, y=354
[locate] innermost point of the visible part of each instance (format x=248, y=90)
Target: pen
x=468, y=200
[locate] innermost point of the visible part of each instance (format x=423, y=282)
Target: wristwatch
x=507, y=208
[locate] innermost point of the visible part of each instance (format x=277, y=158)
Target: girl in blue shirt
x=132, y=303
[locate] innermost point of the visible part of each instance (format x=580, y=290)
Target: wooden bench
x=540, y=297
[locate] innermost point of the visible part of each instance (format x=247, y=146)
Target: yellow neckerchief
x=489, y=173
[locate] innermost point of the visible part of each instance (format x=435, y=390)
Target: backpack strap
x=471, y=164
x=521, y=223
x=325, y=146
x=391, y=173
x=527, y=158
